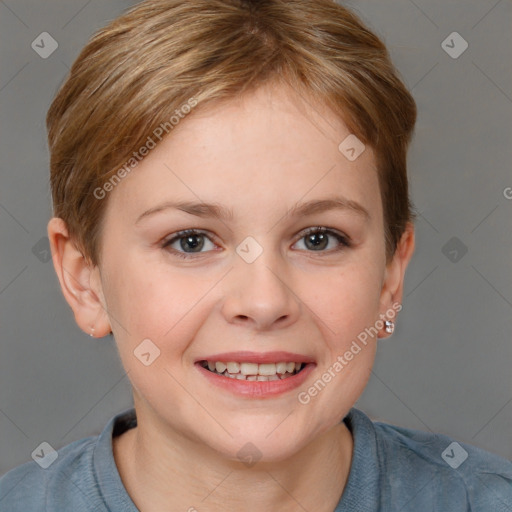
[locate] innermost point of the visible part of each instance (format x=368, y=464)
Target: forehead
x=272, y=146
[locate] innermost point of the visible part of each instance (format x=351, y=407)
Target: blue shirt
x=393, y=469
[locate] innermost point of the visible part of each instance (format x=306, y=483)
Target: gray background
x=447, y=369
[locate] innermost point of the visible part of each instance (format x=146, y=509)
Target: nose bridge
x=259, y=291
x=260, y=268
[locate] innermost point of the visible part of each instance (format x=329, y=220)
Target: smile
x=253, y=371
x=256, y=376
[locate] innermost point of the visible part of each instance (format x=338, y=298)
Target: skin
x=259, y=157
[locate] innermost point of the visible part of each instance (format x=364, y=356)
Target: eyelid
x=168, y=241
x=185, y=232
x=324, y=229
x=301, y=234
x=343, y=240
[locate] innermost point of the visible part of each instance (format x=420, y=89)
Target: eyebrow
x=218, y=211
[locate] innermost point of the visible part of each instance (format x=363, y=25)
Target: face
x=265, y=280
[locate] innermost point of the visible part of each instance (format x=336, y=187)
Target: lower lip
x=258, y=389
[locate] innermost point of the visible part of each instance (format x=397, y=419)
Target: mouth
x=256, y=375
x=248, y=371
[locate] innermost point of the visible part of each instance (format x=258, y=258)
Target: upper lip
x=258, y=357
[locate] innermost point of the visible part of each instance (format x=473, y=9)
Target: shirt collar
x=360, y=493
x=109, y=481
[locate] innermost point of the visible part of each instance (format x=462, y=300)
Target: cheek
x=150, y=298
x=347, y=309
x=347, y=299
x=165, y=309
x=150, y=301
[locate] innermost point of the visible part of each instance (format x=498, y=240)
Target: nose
x=260, y=295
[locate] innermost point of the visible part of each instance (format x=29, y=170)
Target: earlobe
x=75, y=276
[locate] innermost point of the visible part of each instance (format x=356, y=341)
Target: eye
x=189, y=241
x=317, y=239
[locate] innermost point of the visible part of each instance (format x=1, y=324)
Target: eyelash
x=343, y=240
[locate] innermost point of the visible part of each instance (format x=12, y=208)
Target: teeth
x=233, y=367
x=267, y=369
x=281, y=367
x=249, y=368
x=253, y=371
x=220, y=367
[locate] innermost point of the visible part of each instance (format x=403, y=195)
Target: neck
x=169, y=473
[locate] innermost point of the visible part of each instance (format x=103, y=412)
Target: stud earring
x=390, y=326
x=92, y=332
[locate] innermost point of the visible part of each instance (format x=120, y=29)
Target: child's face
x=258, y=160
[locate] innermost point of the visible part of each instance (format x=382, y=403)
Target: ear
x=393, y=283
x=79, y=280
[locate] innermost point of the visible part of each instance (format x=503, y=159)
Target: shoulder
x=56, y=476
x=449, y=470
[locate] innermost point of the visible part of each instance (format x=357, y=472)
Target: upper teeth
x=253, y=368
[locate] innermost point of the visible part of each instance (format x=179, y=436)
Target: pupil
x=192, y=241
x=321, y=242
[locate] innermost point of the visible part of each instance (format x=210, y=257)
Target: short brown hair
x=134, y=73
